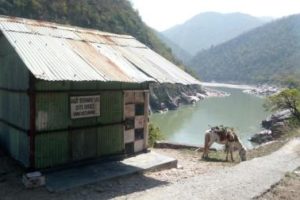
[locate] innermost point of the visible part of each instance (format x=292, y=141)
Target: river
x=187, y=125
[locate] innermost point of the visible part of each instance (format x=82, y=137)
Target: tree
x=287, y=99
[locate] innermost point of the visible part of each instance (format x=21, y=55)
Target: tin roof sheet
x=56, y=52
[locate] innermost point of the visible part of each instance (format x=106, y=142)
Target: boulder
x=277, y=128
x=274, y=126
x=189, y=99
x=172, y=105
x=275, y=119
x=201, y=96
x=262, y=137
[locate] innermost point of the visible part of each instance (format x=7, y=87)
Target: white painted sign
x=85, y=106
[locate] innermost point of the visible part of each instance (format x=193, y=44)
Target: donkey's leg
x=206, y=146
x=204, y=155
x=231, y=152
x=227, y=151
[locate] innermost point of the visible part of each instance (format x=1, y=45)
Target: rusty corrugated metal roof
x=56, y=52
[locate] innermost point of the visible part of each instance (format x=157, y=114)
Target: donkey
x=226, y=137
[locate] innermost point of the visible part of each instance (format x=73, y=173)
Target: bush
x=154, y=134
x=288, y=99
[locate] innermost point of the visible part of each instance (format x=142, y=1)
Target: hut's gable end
x=14, y=74
x=14, y=103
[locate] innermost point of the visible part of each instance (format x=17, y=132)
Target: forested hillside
x=211, y=28
x=264, y=54
x=115, y=16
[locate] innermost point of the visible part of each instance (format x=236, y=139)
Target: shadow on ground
x=220, y=157
x=12, y=187
x=209, y=159
x=123, y=186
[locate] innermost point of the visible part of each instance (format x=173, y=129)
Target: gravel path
x=243, y=181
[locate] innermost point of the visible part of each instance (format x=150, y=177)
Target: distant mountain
x=208, y=29
x=261, y=55
x=266, y=19
x=177, y=51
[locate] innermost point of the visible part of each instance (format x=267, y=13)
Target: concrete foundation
x=88, y=174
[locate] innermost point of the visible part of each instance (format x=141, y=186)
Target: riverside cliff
x=168, y=96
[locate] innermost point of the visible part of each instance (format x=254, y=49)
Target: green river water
x=187, y=125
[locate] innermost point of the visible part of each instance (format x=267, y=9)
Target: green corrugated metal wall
x=53, y=112
x=14, y=106
x=54, y=149
x=15, y=142
x=110, y=140
x=51, y=149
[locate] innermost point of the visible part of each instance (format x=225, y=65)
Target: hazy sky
x=163, y=14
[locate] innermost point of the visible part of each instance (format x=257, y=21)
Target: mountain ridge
x=210, y=28
x=264, y=54
x=177, y=51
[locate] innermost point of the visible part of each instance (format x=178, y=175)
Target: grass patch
x=265, y=149
x=220, y=156
x=154, y=135
x=291, y=175
x=189, y=152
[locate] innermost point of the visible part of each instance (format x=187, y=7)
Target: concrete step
x=65, y=179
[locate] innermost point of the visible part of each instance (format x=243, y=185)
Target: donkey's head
x=242, y=150
x=243, y=154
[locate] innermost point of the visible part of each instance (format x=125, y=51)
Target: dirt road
x=243, y=181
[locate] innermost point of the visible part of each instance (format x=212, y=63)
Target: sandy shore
x=225, y=85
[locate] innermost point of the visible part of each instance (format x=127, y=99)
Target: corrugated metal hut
x=69, y=94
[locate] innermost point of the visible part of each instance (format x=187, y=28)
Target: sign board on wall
x=85, y=106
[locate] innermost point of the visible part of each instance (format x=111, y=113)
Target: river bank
x=164, y=97
x=227, y=85
x=259, y=90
